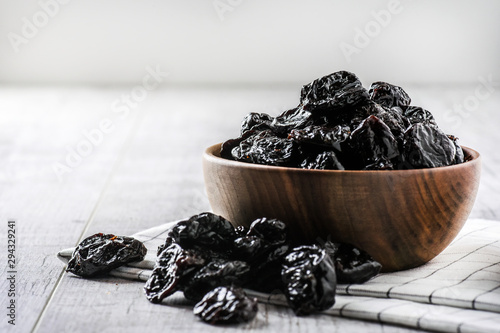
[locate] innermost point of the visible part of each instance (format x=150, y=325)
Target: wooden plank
x=36, y=126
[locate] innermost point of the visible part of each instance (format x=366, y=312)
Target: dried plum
x=226, y=305
x=332, y=138
x=388, y=95
x=101, y=253
x=334, y=91
x=256, y=121
x=266, y=148
x=205, y=230
x=172, y=267
x=459, y=152
x=309, y=278
x=326, y=160
x=416, y=114
x=290, y=119
x=352, y=265
x=215, y=274
x=426, y=146
x=374, y=142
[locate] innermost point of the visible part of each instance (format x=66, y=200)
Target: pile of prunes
x=339, y=125
x=211, y=262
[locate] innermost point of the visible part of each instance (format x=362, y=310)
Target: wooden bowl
x=403, y=218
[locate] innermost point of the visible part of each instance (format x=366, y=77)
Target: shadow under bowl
x=403, y=218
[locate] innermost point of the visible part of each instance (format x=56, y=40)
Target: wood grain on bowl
x=403, y=218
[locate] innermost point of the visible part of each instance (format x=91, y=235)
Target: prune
x=388, y=95
x=374, y=142
x=205, y=230
x=426, y=146
x=352, y=265
x=416, y=114
x=335, y=91
x=273, y=231
x=266, y=148
x=459, y=153
x=309, y=278
x=326, y=160
x=215, y=274
x=226, y=305
x=290, y=119
x=228, y=145
x=256, y=121
x=395, y=120
x=173, y=266
x=332, y=138
x=101, y=253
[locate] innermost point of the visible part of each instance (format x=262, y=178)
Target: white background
x=247, y=42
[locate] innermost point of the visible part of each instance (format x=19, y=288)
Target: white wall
x=254, y=41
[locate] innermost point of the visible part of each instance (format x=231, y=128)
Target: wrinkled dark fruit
x=172, y=267
x=101, y=253
x=426, y=146
x=388, y=95
x=225, y=305
x=255, y=120
x=416, y=114
x=205, y=230
x=309, y=278
x=332, y=129
x=335, y=91
x=216, y=273
x=352, y=265
x=374, y=142
x=266, y=148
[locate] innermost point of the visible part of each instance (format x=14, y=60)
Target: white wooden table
x=144, y=169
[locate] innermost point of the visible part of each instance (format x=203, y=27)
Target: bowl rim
x=212, y=154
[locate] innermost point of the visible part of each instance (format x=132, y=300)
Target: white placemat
x=458, y=291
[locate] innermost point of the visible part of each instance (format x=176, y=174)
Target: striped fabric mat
x=458, y=291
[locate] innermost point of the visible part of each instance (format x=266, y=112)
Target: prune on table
x=326, y=160
x=264, y=247
x=388, y=95
x=334, y=91
x=426, y=146
x=266, y=148
x=225, y=305
x=216, y=273
x=309, y=277
x=416, y=114
x=374, y=142
x=101, y=253
x=290, y=119
x=328, y=137
x=352, y=265
x=206, y=230
x=256, y=121
x=173, y=267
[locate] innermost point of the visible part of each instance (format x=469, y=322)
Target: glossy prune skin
x=326, y=160
x=256, y=121
x=328, y=137
x=100, y=253
x=292, y=119
x=416, y=114
x=173, y=266
x=459, y=153
x=216, y=273
x=352, y=265
x=263, y=247
x=426, y=146
x=224, y=305
x=266, y=148
x=334, y=91
x=309, y=277
x=395, y=120
x=388, y=95
x=374, y=142
x=204, y=230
